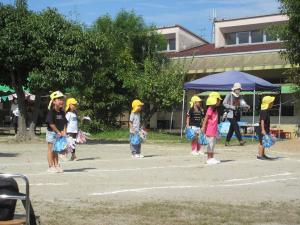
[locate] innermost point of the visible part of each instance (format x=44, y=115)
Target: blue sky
x=192, y=14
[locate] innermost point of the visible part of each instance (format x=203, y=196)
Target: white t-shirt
x=72, y=126
x=135, y=118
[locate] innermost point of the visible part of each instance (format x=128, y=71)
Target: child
x=134, y=123
x=210, y=126
x=56, y=127
x=72, y=126
x=194, y=120
x=264, y=124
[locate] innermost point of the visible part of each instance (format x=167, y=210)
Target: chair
x=18, y=196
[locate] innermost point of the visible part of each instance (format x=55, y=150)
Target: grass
x=122, y=135
x=169, y=213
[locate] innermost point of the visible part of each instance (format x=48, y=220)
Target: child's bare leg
x=55, y=159
x=261, y=150
x=210, y=155
x=50, y=155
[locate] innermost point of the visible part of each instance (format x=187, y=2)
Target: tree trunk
x=36, y=112
x=17, y=85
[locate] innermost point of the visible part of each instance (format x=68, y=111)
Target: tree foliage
x=105, y=66
x=290, y=33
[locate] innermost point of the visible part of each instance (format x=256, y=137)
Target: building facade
x=241, y=44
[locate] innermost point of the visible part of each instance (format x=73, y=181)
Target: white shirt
x=15, y=109
x=72, y=126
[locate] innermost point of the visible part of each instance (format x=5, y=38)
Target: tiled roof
x=185, y=29
x=209, y=49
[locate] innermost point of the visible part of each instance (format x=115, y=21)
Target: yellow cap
x=194, y=99
x=55, y=95
x=70, y=101
x=266, y=101
x=215, y=95
x=135, y=104
x=211, y=100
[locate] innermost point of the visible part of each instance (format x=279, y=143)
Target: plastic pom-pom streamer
x=202, y=139
x=268, y=141
x=60, y=144
x=135, y=139
x=190, y=134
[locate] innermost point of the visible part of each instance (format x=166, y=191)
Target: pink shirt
x=212, y=122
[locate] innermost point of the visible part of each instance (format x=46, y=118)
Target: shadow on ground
x=3, y=154
x=78, y=170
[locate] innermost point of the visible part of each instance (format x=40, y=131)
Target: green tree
x=130, y=67
x=17, y=54
x=44, y=48
x=160, y=86
x=64, y=51
x=290, y=33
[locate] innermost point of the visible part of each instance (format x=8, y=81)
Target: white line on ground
x=120, y=170
x=47, y=184
x=189, y=187
x=266, y=176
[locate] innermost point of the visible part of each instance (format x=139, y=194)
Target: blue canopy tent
x=224, y=82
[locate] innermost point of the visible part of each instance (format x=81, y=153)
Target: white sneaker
x=195, y=153
x=141, y=156
x=201, y=153
x=135, y=156
x=212, y=161
x=52, y=169
x=216, y=161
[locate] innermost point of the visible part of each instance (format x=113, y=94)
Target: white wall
x=246, y=24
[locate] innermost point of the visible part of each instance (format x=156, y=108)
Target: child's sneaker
x=195, y=153
x=52, y=169
x=201, y=152
x=212, y=161
x=135, y=156
x=141, y=156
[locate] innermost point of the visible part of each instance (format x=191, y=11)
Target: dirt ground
x=169, y=186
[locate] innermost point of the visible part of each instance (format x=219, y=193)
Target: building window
x=243, y=37
x=257, y=36
x=172, y=44
x=230, y=38
x=270, y=37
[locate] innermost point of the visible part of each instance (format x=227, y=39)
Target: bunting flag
x=11, y=97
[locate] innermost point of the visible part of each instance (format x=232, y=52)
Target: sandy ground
x=107, y=186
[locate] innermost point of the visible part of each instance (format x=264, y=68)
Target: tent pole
x=279, y=116
x=182, y=113
x=171, y=121
x=253, y=115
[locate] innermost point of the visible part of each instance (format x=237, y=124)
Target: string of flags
x=10, y=97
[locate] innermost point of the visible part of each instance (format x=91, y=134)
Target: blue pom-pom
x=190, y=134
x=60, y=144
x=202, y=139
x=135, y=139
x=268, y=141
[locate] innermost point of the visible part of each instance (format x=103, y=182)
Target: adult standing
x=233, y=102
x=14, y=109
